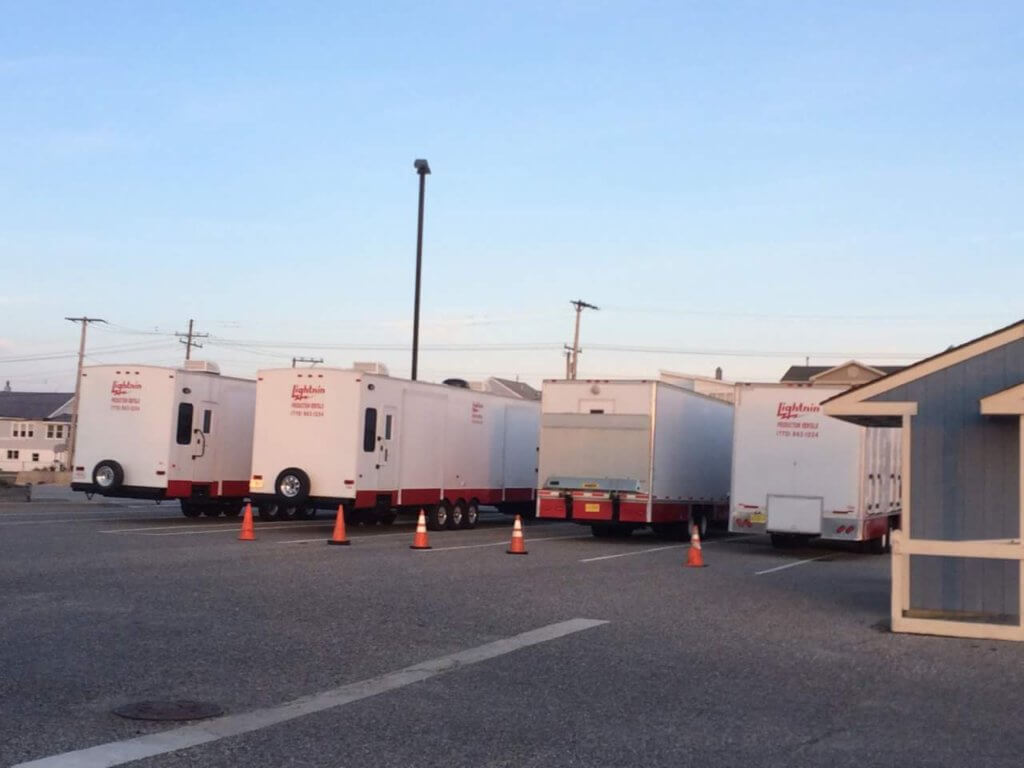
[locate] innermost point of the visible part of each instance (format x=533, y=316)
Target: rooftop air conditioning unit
x=202, y=366
x=378, y=368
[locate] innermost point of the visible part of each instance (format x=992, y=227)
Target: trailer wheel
x=190, y=509
x=232, y=508
x=266, y=511
x=211, y=510
x=388, y=518
x=301, y=512
x=457, y=518
x=437, y=516
x=292, y=485
x=108, y=475
x=472, y=514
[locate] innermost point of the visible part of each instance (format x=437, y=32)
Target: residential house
x=35, y=430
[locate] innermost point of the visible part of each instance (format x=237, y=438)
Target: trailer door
x=193, y=447
x=387, y=457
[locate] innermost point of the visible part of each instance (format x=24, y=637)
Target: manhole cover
x=181, y=709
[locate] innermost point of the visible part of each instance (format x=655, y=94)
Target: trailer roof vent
x=456, y=383
x=378, y=368
x=202, y=366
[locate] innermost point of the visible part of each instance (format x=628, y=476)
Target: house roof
x=33, y=405
x=520, y=388
x=808, y=372
x=853, y=406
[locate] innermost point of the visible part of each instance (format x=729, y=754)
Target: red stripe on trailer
x=552, y=508
x=178, y=488
x=670, y=512
x=520, y=494
x=368, y=499
x=633, y=511
x=234, y=488
x=412, y=496
x=483, y=495
x=875, y=528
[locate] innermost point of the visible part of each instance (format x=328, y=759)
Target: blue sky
x=751, y=181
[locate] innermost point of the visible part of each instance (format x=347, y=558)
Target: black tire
x=266, y=511
x=457, y=518
x=211, y=510
x=292, y=486
x=190, y=508
x=388, y=518
x=302, y=512
x=232, y=508
x=107, y=476
x=472, y=514
x=437, y=516
x=285, y=512
x=600, y=530
x=701, y=521
x=880, y=545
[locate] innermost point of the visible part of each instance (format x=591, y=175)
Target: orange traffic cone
x=695, y=555
x=420, y=540
x=339, y=528
x=518, y=544
x=247, y=530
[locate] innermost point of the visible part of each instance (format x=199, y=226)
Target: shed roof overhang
x=857, y=405
x=1009, y=402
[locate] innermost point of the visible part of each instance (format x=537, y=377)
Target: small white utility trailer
x=620, y=455
x=380, y=445
x=799, y=474
x=152, y=432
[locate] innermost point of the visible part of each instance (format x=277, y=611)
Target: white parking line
x=500, y=543
x=634, y=552
x=324, y=538
x=52, y=521
x=790, y=565
x=153, y=744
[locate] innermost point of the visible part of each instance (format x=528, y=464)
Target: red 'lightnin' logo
x=305, y=391
x=796, y=410
x=123, y=387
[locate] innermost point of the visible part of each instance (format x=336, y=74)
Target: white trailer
x=380, y=445
x=152, y=432
x=619, y=455
x=799, y=474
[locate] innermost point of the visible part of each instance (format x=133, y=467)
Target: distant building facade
x=712, y=386
x=35, y=430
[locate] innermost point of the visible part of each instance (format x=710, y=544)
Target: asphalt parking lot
x=588, y=652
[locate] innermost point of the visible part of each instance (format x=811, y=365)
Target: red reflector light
x=257, y=477
x=350, y=482
x=79, y=469
x=161, y=472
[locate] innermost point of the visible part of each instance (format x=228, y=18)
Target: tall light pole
x=423, y=169
x=580, y=306
x=73, y=438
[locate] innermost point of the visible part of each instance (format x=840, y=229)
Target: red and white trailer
x=799, y=474
x=152, y=432
x=620, y=455
x=380, y=445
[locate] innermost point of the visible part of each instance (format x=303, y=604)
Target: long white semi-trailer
x=621, y=455
x=799, y=474
x=152, y=432
x=380, y=445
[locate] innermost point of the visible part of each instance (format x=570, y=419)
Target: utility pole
x=78, y=386
x=568, y=361
x=311, y=360
x=580, y=306
x=189, y=339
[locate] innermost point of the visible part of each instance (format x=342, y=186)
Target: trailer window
x=207, y=418
x=370, y=430
x=184, y=423
x=387, y=427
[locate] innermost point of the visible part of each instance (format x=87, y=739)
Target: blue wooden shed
x=957, y=558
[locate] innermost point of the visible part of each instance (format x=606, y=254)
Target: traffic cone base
x=695, y=555
x=518, y=544
x=248, y=533
x=339, y=529
x=420, y=540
